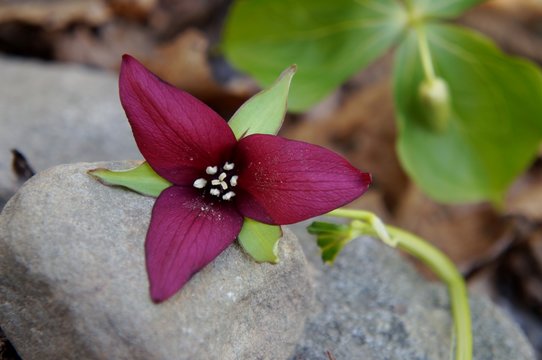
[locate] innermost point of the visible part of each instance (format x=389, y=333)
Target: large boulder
x=56, y=114
x=373, y=305
x=73, y=283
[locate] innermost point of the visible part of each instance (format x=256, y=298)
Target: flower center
x=219, y=182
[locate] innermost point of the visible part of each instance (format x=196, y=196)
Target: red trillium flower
x=218, y=180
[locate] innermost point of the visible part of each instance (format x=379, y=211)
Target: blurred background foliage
x=359, y=98
x=469, y=117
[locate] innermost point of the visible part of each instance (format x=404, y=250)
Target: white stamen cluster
x=221, y=183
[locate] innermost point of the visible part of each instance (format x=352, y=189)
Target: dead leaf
x=54, y=15
x=525, y=196
x=21, y=167
x=173, y=16
x=513, y=24
x=522, y=10
x=103, y=48
x=184, y=62
x=7, y=351
x=514, y=280
x=465, y=233
x=138, y=10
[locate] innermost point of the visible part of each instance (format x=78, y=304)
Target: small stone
x=57, y=114
x=74, y=285
x=372, y=305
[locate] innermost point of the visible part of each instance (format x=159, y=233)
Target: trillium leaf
x=141, y=179
x=328, y=40
x=495, y=124
x=260, y=241
x=443, y=8
x=264, y=112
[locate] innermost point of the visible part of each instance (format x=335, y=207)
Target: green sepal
x=260, y=241
x=264, y=112
x=142, y=179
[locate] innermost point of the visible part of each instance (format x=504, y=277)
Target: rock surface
x=57, y=114
x=74, y=286
x=372, y=305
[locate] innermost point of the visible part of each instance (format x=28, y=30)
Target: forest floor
x=499, y=251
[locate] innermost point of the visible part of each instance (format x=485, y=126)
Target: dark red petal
x=176, y=133
x=185, y=234
x=284, y=181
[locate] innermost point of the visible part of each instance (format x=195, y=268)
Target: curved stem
x=440, y=264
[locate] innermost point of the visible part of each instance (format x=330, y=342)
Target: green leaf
x=328, y=40
x=141, y=179
x=330, y=253
x=331, y=238
x=260, y=241
x=443, y=8
x=495, y=124
x=322, y=227
x=264, y=112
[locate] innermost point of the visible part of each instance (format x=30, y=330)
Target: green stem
x=425, y=54
x=440, y=264
x=409, y=6
x=416, y=22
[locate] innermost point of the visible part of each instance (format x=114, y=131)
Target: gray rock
x=373, y=305
x=56, y=114
x=73, y=283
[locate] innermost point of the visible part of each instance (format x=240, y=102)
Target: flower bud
x=435, y=101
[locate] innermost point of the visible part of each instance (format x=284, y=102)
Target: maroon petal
x=284, y=181
x=176, y=133
x=185, y=234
